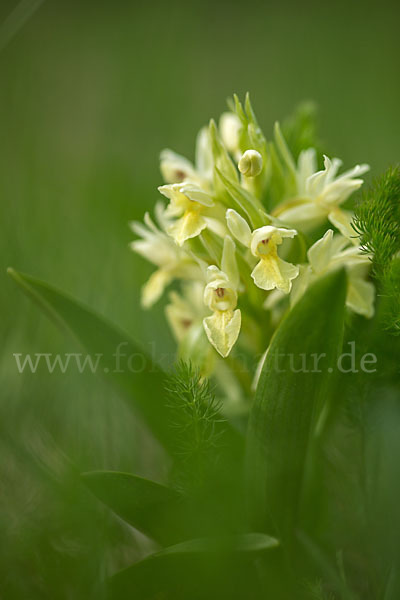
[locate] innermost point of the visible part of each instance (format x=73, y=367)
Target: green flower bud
x=251, y=163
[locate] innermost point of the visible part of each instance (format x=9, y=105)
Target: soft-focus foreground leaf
x=290, y=395
x=194, y=568
x=135, y=374
x=142, y=382
x=150, y=507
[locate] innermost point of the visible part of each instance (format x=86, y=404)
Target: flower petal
x=196, y=194
x=228, y=261
x=188, y=226
x=155, y=286
x=288, y=272
x=204, y=157
x=229, y=127
x=320, y=253
x=306, y=166
x=300, y=284
x=178, y=201
x=341, y=219
x=274, y=235
x=222, y=329
x=273, y=272
x=174, y=167
x=238, y=227
x=360, y=296
x=304, y=216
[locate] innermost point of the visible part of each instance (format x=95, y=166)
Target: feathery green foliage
x=194, y=417
x=377, y=219
x=391, y=296
x=377, y=222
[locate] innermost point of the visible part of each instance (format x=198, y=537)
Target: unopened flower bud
x=251, y=163
x=229, y=126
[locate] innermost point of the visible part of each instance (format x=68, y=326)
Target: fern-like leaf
x=377, y=222
x=195, y=418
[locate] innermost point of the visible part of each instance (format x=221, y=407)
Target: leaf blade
x=287, y=404
x=222, y=562
x=150, y=507
x=97, y=336
x=142, y=384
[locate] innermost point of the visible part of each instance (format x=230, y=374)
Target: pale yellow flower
x=320, y=194
x=271, y=271
x=178, y=169
x=188, y=208
x=186, y=310
x=332, y=252
x=220, y=295
x=160, y=249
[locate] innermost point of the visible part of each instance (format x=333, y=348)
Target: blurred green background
x=90, y=93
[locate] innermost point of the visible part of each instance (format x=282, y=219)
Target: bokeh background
x=90, y=93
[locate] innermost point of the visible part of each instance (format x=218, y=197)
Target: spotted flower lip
x=265, y=238
x=223, y=326
x=271, y=271
x=220, y=295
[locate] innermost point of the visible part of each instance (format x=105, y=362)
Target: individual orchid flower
x=185, y=312
x=320, y=194
x=185, y=309
x=332, y=252
x=160, y=249
x=220, y=295
x=271, y=271
x=177, y=169
x=189, y=211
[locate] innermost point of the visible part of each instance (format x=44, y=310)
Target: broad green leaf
x=150, y=507
x=290, y=396
x=136, y=375
x=143, y=383
x=199, y=564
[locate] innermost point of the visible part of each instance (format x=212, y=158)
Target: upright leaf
x=142, y=383
x=289, y=398
x=136, y=375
